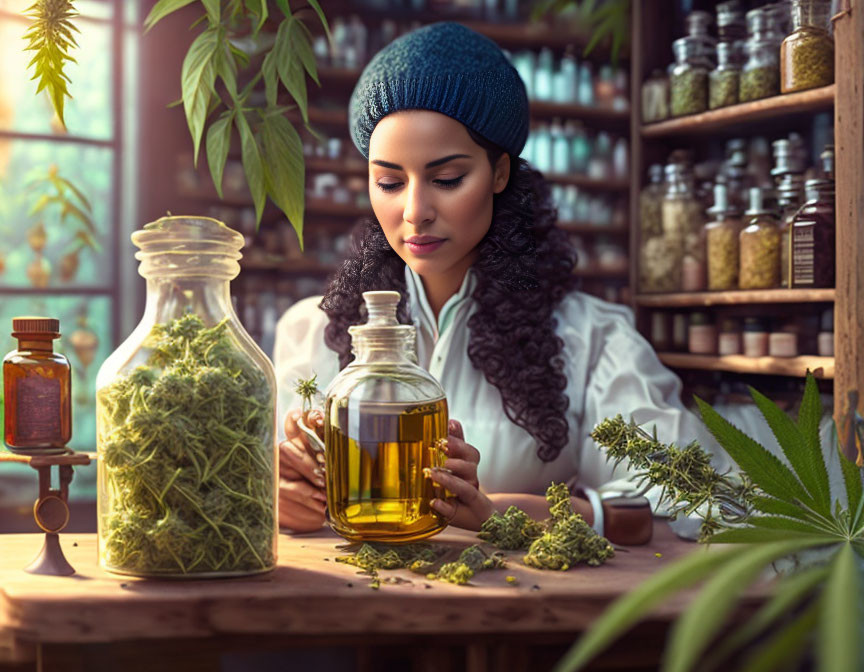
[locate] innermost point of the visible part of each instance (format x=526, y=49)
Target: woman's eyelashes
x=443, y=184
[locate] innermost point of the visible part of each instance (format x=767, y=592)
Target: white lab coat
x=610, y=369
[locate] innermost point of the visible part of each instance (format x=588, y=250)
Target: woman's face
x=431, y=188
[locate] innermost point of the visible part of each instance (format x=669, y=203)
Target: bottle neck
x=36, y=344
x=396, y=348
x=171, y=297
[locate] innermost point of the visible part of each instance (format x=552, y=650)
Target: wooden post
x=849, y=141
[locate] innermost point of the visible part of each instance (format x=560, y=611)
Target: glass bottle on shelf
x=807, y=54
x=760, y=77
x=682, y=216
x=186, y=419
x=721, y=242
x=698, y=23
x=544, y=75
x=655, y=97
x=730, y=22
x=651, y=203
x=790, y=197
x=688, y=77
x=723, y=81
x=759, y=244
x=813, y=231
x=385, y=423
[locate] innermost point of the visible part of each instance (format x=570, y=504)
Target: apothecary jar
x=186, y=419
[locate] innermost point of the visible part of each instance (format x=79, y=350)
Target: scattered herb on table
x=186, y=445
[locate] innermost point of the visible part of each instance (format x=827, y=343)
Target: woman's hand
x=302, y=490
x=469, y=508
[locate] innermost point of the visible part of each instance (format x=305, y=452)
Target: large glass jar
x=813, y=237
x=721, y=242
x=723, y=81
x=759, y=244
x=807, y=54
x=760, y=77
x=186, y=419
x=385, y=421
x=688, y=77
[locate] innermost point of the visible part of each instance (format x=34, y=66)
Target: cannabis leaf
x=789, y=514
x=610, y=20
x=270, y=147
x=50, y=36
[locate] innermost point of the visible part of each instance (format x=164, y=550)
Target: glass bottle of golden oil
x=385, y=419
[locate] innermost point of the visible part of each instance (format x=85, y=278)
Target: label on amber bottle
x=38, y=416
x=803, y=253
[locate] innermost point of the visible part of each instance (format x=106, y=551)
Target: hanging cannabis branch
x=609, y=19
x=271, y=150
x=50, y=36
x=788, y=512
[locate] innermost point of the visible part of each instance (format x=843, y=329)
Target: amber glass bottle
x=37, y=385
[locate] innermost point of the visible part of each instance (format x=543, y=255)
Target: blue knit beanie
x=446, y=68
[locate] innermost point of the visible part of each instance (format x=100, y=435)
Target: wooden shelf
x=585, y=182
x=728, y=118
x=763, y=296
x=605, y=115
x=822, y=367
x=588, y=229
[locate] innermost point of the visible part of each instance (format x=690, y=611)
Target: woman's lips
x=423, y=244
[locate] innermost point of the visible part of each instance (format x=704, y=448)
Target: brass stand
x=51, y=509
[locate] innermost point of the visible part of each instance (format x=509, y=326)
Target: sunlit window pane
x=53, y=254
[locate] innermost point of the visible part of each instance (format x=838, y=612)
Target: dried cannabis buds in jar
x=187, y=453
x=723, y=88
x=689, y=92
x=760, y=82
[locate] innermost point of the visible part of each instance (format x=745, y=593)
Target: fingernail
x=318, y=471
x=320, y=422
x=321, y=497
x=320, y=457
x=320, y=483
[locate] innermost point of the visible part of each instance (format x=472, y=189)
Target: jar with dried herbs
x=186, y=419
x=721, y=242
x=759, y=244
x=724, y=79
x=689, y=77
x=655, y=97
x=659, y=266
x=813, y=237
x=682, y=215
x=807, y=54
x=651, y=204
x=760, y=77
x=790, y=197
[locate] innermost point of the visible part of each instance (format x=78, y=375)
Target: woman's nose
x=418, y=208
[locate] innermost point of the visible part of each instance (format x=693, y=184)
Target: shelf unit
x=821, y=367
x=650, y=45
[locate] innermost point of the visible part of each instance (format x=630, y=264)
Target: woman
x=464, y=230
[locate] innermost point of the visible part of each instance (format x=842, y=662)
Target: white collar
x=422, y=312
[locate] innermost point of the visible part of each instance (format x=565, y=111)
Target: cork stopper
x=35, y=326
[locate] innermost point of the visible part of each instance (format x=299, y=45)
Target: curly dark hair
x=524, y=268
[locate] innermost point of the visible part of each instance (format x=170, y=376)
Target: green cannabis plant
x=186, y=449
x=605, y=19
x=51, y=36
x=790, y=520
x=233, y=49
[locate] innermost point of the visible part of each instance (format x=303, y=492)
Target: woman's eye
x=450, y=184
x=388, y=186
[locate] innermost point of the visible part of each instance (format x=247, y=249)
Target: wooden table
x=96, y=621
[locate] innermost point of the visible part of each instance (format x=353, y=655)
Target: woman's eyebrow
x=431, y=164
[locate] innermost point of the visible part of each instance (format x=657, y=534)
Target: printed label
x=803, y=253
x=38, y=416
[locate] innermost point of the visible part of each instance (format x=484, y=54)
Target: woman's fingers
x=463, y=469
x=292, y=431
x=469, y=497
x=298, y=517
x=303, y=493
x=293, y=455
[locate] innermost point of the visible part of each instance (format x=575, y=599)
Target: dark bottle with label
x=813, y=231
x=37, y=384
